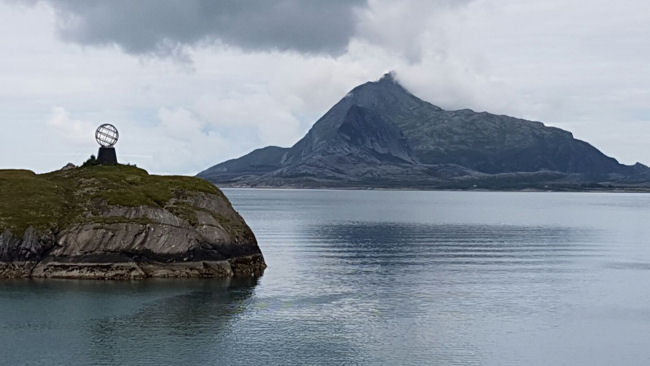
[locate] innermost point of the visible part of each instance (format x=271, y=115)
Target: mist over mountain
x=382, y=136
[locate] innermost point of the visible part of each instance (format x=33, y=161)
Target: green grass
x=57, y=199
x=26, y=199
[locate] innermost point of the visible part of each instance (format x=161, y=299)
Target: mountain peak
x=384, y=93
x=380, y=134
x=388, y=82
x=389, y=77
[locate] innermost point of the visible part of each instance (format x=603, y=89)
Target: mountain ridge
x=379, y=135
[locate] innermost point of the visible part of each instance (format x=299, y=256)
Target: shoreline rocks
x=180, y=227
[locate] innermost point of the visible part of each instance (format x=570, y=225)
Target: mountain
x=381, y=135
x=119, y=222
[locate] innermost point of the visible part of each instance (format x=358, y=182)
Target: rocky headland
x=119, y=222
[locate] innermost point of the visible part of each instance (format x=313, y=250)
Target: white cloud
x=583, y=68
x=272, y=123
x=70, y=131
x=180, y=142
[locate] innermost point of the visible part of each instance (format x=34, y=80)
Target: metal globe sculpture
x=106, y=135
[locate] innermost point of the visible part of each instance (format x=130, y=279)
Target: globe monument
x=106, y=136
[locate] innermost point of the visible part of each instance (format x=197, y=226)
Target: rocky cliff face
x=380, y=135
x=120, y=223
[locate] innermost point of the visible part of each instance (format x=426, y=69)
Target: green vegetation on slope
x=54, y=200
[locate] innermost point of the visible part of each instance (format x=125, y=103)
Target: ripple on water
x=397, y=278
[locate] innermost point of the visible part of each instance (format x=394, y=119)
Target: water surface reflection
x=369, y=277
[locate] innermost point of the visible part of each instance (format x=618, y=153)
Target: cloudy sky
x=190, y=83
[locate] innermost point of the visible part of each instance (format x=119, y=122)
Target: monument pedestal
x=107, y=156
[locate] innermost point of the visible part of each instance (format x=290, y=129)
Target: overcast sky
x=190, y=83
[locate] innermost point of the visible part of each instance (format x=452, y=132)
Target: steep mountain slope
x=380, y=135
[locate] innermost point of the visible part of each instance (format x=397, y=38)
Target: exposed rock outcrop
x=120, y=223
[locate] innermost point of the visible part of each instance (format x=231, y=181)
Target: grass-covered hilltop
x=118, y=222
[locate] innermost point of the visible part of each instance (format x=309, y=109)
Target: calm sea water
x=374, y=277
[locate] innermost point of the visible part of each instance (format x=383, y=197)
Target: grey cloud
x=165, y=27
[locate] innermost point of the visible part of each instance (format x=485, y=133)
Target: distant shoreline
x=524, y=190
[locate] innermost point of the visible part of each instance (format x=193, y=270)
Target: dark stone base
x=107, y=156
x=239, y=267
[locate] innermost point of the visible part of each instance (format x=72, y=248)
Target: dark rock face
x=380, y=135
x=186, y=233
x=150, y=242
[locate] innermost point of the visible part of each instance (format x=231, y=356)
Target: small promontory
x=119, y=222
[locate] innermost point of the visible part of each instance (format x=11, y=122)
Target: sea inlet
x=373, y=277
